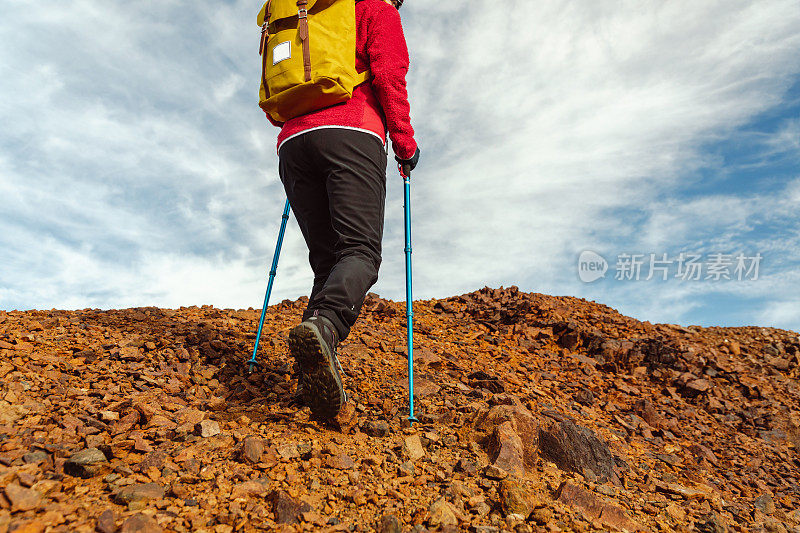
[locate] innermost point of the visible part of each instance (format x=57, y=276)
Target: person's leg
x=304, y=183
x=355, y=165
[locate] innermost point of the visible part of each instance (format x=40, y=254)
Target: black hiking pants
x=335, y=180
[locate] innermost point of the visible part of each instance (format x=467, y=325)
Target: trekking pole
x=409, y=300
x=253, y=362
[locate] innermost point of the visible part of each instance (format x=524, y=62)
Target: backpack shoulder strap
x=363, y=77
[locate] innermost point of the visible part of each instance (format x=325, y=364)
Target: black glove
x=409, y=164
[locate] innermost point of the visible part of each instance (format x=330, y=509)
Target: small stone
x=406, y=469
x=341, y=461
x=584, y=397
x=542, y=515
x=764, y=504
x=711, y=523
x=287, y=510
x=208, y=428
x=248, y=488
x=412, y=447
x=140, y=523
x=735, y=348
x=22, y=499
x=697, y=386
x=46, y=486
x=287, y=450
x=35, y=457
x=189, y=416
x=86, y=463
x=389, y=524
x=26, y=479
x=346, y=418
x=514, y=499
x=494, y=472
x=701, y=452
x=773, y=525
x=140, y=492
x=467, y=466
x=252, y=449
x=680, y=490
x=377, y=428
x=423, y=387
x=441, y=513
x=106, y=522
x=179, y=490
x=126, y=423
x=676, y=512
x=647, y=411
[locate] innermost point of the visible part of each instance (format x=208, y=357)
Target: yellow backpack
x=308, y=56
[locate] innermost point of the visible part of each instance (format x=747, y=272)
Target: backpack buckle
x=302, y=13
x=264, y=33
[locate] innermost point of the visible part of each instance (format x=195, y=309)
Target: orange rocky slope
x=537, y=413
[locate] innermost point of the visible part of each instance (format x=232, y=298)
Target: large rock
x=86, y=463
x=523, y=425
x=574, y=448
x=506, y=450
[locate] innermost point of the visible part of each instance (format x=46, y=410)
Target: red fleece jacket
x=379, y=103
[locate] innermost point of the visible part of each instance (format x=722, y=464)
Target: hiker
x=332, y=163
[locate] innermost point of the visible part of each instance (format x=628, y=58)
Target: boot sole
x=321, y=384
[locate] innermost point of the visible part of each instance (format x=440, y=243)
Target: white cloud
x=780, y=314
x=787, y=138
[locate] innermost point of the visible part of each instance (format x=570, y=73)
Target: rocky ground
x=537, y=413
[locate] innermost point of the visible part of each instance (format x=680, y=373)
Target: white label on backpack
x=281, y=52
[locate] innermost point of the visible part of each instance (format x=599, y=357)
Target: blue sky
x=136, y=168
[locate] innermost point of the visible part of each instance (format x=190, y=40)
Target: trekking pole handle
x=405, y=172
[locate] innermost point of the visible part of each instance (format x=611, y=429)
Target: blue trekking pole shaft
x=285, y=218
x=409, y=298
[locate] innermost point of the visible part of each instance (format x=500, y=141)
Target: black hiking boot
x=313, y=345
